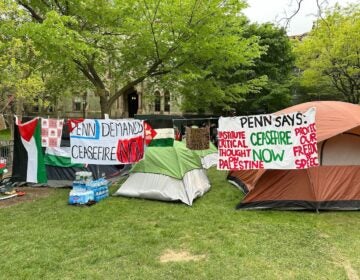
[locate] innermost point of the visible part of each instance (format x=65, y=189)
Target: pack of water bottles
x=86, y=190
x=100, y=188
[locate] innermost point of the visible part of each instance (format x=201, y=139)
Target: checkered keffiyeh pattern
x=51, y=131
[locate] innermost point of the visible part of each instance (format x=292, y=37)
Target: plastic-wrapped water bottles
x=80, y=196
x=86, y=189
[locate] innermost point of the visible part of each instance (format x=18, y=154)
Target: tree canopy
x=277, y=65
x=115, y=45
x=329, y=57
x=262, y=86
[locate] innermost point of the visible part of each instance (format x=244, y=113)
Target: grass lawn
x=123, y=238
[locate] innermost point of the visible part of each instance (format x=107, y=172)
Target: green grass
x=123, y=238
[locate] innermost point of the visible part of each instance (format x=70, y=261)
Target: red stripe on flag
x=27, y=129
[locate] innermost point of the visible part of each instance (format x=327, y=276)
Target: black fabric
x=158, y=121
x=238, y=182
x=108, y=170
x=68, y=173
x=62, y=173
x=20, y=158
x=301, y=205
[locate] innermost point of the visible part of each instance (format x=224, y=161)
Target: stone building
x=139, y=101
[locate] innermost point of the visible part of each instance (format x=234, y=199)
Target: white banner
x=106, y=141
x=286, y=141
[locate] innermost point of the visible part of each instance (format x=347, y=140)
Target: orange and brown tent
x=335, y=184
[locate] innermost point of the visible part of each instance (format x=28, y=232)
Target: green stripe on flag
x=41, y=170
x=163, y=142
x=60, y=161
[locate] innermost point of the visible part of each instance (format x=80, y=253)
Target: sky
x=272, y=10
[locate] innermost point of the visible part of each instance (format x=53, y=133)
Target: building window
x=36, y=105
x=77, y=104
x=167, y=101
x=157, y=101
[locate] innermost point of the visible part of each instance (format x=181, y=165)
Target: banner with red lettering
x=107, y=141
x=286, y=141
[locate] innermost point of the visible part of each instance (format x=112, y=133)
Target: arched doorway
x=167, y=101
x=133, y=103
x=157, y=101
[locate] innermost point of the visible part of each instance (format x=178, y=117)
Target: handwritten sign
x=107, y=141
x=197, y=138
x=285, y=141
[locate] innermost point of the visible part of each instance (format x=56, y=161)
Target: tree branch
x=83, y=69
x=152, y=21
x=129, y=86
x=33, y=13
x=294, y=13
x=95, y=75
x=61, y=9
x=319, y=6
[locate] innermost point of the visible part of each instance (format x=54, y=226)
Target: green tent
x=209, y=157
x=167, y=173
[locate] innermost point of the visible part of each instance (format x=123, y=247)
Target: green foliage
x=124, y=238
x=5, y=135
x=277, y=65
x=26, y=73
x=329, y=56
x=19, y=76
x=261, y=84
x=116, y=45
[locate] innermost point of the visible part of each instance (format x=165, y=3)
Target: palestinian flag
x=60, y=157
x=149, y=133
x=164, y=137
x=28, y=163
x=3, y=166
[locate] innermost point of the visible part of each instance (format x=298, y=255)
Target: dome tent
x=335, y=184
x=167, y=173
x=209, y=157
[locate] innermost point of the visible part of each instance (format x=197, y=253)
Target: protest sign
x=197, y=138
x=286, y=141
x=107, y=141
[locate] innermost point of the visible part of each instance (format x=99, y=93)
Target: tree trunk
x=103, y=94
x=104, y=106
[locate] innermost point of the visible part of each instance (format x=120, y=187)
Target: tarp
x=335, y=184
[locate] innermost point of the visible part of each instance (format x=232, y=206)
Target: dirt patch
x=342, y=261
x=31, y=194
x=350, y=271
x=323, y=235
x=179, y=256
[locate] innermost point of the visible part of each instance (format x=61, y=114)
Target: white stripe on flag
x=32, y=164
x=162, y=133
x=59, y=152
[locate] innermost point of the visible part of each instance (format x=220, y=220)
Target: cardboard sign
x=197, y=138
x=107, y=141
x=285, y=141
